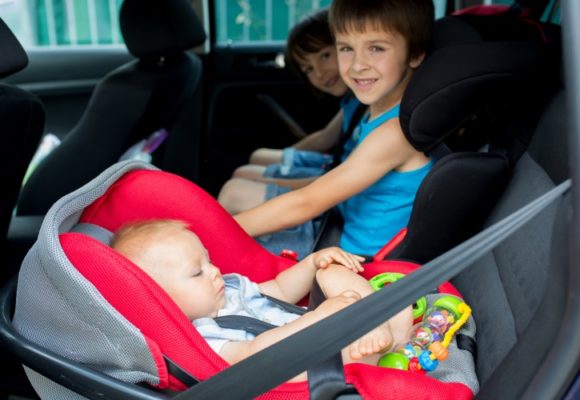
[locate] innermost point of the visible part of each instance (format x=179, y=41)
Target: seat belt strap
x=252, y=325
x=258, y=374
x=345, y=135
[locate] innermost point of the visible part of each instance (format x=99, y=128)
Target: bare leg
x=250, y=171
x=336, y=279
x=265, y=156
x=239, y=195
x=256, y=173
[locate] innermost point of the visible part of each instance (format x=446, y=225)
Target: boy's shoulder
x=387, y=141
x=384, y=125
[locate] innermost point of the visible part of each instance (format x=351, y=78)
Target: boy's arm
x=234, y=352
x=323, y=139
x=383, y=150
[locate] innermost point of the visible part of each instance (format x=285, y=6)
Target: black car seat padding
x=160, y=89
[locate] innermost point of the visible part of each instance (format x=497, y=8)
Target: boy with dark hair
x=379, y=44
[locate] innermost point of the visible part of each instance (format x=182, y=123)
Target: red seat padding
x=145, y=194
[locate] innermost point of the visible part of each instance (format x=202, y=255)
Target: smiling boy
x=379, y=44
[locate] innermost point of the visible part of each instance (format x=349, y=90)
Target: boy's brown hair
x=412, y=19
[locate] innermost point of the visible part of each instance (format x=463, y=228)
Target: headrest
x=14, y=57
x=450, y=31
x=456, y=82
x=153, y=28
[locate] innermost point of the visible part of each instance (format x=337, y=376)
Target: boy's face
x=375, y=65
x=321, y=69
x=180, y=265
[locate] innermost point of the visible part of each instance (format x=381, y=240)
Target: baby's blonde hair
x=131, y=237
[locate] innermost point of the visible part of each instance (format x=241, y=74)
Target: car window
x=58, y=23
x=251, y=22
x=69, y=23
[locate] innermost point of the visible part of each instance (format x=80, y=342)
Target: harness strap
x=345, y=135
x=250, y=324
x=326, y=379
x=179, y=372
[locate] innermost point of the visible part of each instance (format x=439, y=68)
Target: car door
x=252, y=99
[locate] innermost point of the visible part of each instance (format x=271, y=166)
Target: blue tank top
x=375, y=215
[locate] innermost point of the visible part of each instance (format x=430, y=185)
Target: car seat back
x=22, y=121
x=457, y=195
x=519, y=290
x=160, y=89
x=22, y=116
x=460, y=99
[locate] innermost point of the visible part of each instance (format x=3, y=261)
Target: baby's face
x=187, y=275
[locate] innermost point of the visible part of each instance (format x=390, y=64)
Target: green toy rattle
x=380, y=280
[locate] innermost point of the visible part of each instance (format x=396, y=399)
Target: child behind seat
x=311, y=53
x=175, y=258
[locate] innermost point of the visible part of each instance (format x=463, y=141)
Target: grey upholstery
x=508, y=289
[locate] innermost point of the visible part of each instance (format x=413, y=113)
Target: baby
x=175, y=258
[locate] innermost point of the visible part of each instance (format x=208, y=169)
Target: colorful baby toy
x=431, y=336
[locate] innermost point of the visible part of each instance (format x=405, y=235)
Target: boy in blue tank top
x=379, y=44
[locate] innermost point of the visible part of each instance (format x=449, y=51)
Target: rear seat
x=518, y=291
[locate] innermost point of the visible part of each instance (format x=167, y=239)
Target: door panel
x=244, y=86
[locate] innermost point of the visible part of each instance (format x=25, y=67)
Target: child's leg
x=238, y=195
x=250, y=171
x=372, y=359
x=335, y=280
x=266, y=156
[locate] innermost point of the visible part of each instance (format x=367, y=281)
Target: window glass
x=49, y=23
x=250, y=21
x=247, y=21
x=551, y=13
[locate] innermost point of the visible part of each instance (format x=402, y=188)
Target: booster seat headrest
x=457, y=82
x=153, y=29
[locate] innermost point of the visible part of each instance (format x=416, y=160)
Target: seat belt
x=278, y=363
x=345, y=135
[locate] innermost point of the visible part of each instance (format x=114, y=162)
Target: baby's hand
x=325, y=257
x=378, y=340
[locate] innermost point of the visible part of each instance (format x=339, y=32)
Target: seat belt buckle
x=291, y=254
x=391, y=244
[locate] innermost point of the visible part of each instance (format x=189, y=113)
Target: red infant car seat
x=84, y=301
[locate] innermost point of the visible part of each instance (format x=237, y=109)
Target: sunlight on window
x=49, y=23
